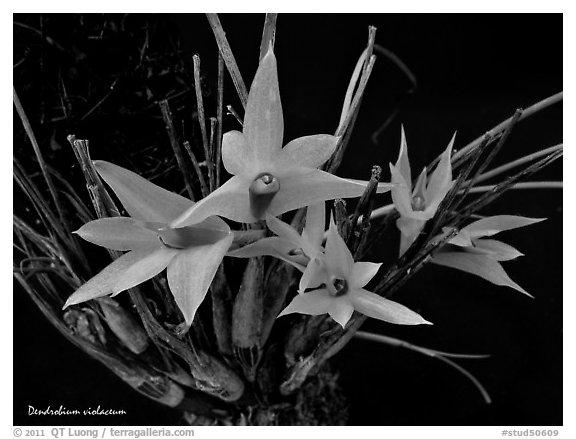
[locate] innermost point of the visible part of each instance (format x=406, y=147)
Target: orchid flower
x=419, y=204
x=269, y=179
x=342, y=289
x=191, y=254
x=468, y=252
x=298, y=250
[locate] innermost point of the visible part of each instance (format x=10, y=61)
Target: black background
x=473, y=71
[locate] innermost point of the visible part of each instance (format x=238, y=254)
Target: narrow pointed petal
x=409, y=228
x=440, y=180
x=118, y=233
x=311, y=187
x=313, y=233
x=142, y=199
x=377, y=307
x=382, y=188
x=401, y=193
x=496, y=250
x=480, y=265
x=283, y=230
x=462, y=239
x=313, y=276
x=145, y=268
x=263, y=122
x=103, y=283
x=236, y=155
x=341, y=310
x=313, y=303
x=307, y=152
x=190, y=273
x=231, y=200
x=499, y=223
x=362, y=273
x=339, y=260
x=274, y=246
x=403, y=164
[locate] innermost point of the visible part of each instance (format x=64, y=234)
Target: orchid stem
x=526, y=185
x=219, y=118
x=518, y=162
x=268, y=34
x=533, y=109
x=203, y=186
x=167, y=116
x=202, y=120
x=228, y=56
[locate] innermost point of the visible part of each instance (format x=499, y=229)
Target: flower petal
x=103, y=283
x=313, y=233
x=339, y=260
x=283, y=230
x=311, y=187
x=401, y=193
x=236, y=155
x=403, y=164
x=142, y=199
x=231, y=200
x=118, y=233
x=145, y=268
x=314, y=275
x=377, y=307
x=274, y=246
x=440, y=180
x=263, y=122
x=308, y=151
x=190, y=274
x=313, y=303
x=480, y=265
x=341, y=310
x=362, y=273
x=409, y=228
x=496, y=250
x=499, y=223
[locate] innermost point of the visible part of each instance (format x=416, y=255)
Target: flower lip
x=418, y=203
x=262, y=190
x=338, y=287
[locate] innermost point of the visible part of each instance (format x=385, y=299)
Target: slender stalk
x=526, y=185
x=211, y=148
x=202, y=121
x=518, y=162
x=167, y=116
x=39, y=157
x=533, y=109
x=343, y=131
x=219, y=118
x=203, y=186
x=268, y=34
x=228, y=56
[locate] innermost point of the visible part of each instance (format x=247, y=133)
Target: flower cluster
x=168, y=231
